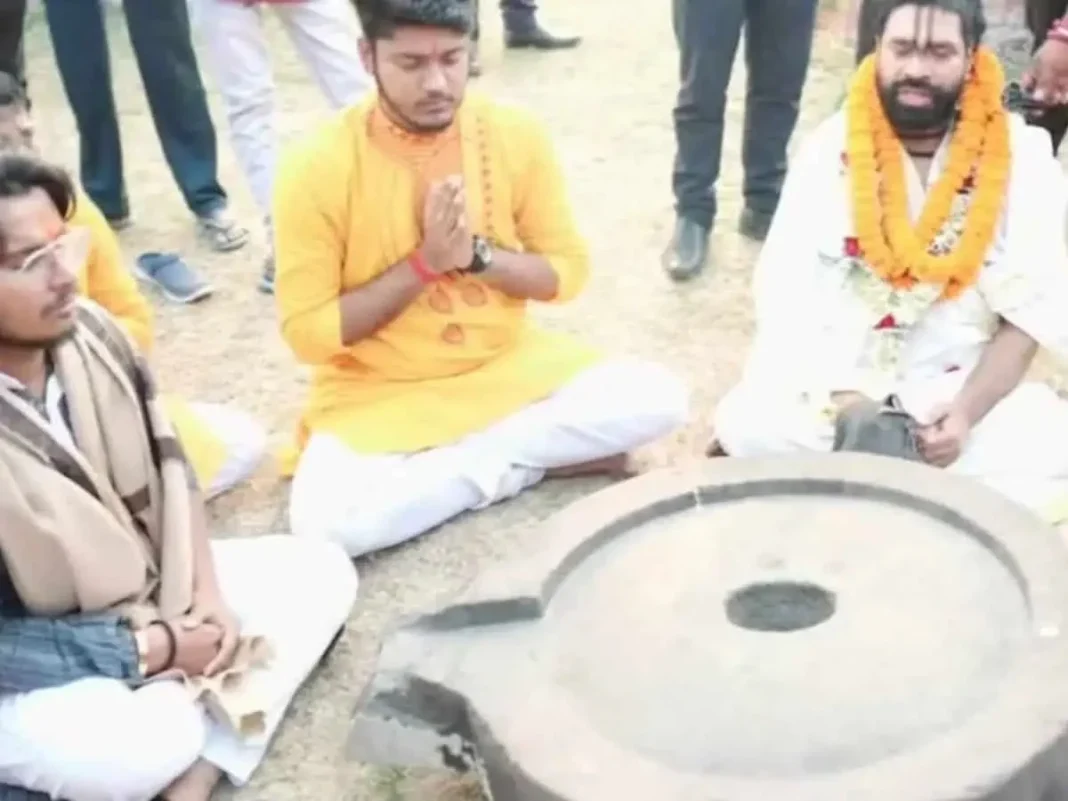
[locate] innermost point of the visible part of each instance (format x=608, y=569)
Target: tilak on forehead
x=901, y=252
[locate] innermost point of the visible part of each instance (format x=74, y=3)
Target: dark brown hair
x=21, y=173
x=381, y=18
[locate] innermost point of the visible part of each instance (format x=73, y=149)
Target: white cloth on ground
x=324, y=32
x=244, y=438
x=814, y=332
x=369, y=502
x=99, y=740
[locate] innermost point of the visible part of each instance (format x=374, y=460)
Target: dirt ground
x=608, y=105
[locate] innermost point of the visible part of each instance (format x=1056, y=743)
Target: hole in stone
x=780, y=606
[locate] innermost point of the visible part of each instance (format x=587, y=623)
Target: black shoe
x=687, y=253
x=538, y=38
x=267, y=276
x=755, y=224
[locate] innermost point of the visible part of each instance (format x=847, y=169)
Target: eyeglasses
x=68, y=251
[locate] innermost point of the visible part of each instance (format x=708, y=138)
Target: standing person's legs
x=1041, y=14
x=81, y=50
x=519, y=16
x=707, y=33
x=325, y=33
x=238, y=54
x=12, y=23
x=161, y=38
x=522, y=29
x=778, y=43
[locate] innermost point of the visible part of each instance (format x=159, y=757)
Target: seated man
x=224, y=444
x=412, y=231
x=936, y=262
x=114, y=605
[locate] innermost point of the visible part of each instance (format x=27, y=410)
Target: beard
x=397, y=114
x=912, y=120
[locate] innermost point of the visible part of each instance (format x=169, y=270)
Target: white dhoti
x=368, y=502
x=1020, y=448
x=99, y=740
x=244, y=439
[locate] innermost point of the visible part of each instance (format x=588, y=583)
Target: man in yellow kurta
x=223, y=444
x=411, y=231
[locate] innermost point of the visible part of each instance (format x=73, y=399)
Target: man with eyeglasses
x=224, y=444
x=138, y=658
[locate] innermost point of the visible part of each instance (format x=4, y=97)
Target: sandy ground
x=608, y=105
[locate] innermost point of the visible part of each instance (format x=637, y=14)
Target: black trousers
x=12, y=21
x=778, y=43
x=519, y=15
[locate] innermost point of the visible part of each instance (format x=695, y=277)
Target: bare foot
x=196, y=784
x=617, y=467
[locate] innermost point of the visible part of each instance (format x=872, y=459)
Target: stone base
x=800, y=629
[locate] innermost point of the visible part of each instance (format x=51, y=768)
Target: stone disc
x=817, y=628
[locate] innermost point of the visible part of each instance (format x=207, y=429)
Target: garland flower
x=898, y=251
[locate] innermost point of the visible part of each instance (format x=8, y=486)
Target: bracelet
x=422, y=271
x=172, y=647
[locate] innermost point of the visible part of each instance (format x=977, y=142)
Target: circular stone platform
x=824, y=628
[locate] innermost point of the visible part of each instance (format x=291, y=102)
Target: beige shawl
x=106, y=526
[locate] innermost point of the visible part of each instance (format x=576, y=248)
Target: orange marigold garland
x=894, y=248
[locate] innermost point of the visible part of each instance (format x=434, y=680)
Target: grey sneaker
x=176, y=280
x=221, y=231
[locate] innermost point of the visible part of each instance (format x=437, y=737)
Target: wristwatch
x=482, y=259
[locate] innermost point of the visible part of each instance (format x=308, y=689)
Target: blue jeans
x=778, y=43
x=159, y=32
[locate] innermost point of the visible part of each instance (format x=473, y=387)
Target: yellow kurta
x=105, y=280
x=348, y=204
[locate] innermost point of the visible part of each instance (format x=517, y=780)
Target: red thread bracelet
x=422, y=271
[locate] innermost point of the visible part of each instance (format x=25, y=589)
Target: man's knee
x=745, y=425
x=361, y=522
x=336, y=579
x=244, y=440
x=737, y=427
x=143, y=740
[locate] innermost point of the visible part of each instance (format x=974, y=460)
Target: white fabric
x=99, y=740
x=243, y=437
x=53, y=405
x=813, y=330
x=369, y=502
x=324, y=32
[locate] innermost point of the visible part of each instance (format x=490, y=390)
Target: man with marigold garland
x=916, y=298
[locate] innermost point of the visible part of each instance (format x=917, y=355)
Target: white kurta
x=816, y=333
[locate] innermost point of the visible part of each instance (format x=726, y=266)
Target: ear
x=367, y=54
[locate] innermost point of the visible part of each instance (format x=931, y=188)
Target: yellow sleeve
x=545, y=221
x=106, y=280
x=310, y=228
